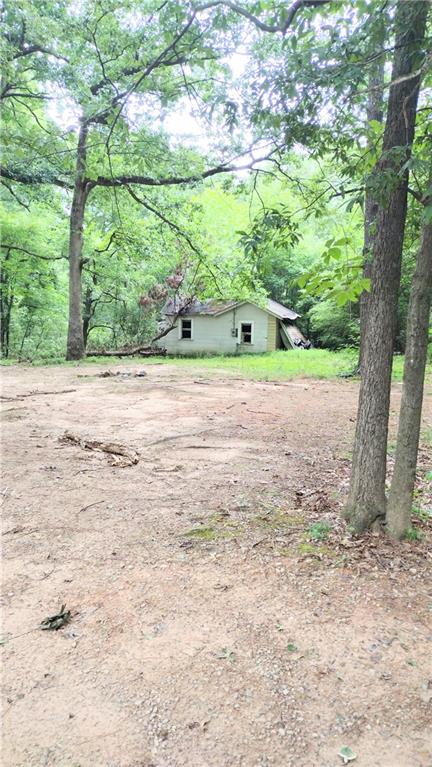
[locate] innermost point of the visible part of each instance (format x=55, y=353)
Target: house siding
x=213, y=335
x=271, y=333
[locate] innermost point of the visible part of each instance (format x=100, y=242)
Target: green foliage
x=334, y=327
x=423, y=514
x=319, y=531
x=293, y=233
x=338, y=275
x=414, y=534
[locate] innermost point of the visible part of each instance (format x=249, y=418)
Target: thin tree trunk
x=366, y=502
x=5, y=320
x=88, y=314
x=6, y=301
x=398, y=516
x=374, y=111
x=75, y=340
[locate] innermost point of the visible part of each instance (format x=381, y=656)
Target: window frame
x=251, y=323
x=180, y=334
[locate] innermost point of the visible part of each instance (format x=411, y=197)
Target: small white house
x=229, y=327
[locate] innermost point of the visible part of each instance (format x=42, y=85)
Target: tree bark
x=75, y=340
x=366, y=501
x=398, y=516
x=374, y=111
x=6, y=302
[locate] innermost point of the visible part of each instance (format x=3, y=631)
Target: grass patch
x=271, y=366
x=210, y=533
x=310, y=548
x=412, y=534
x=426, y=437
x=319, y=531
x=278, y=519
x=424, y=514
x=202, y=533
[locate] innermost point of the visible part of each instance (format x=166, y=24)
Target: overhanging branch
x=32, y=177
x=273, y=28
x=124, y=180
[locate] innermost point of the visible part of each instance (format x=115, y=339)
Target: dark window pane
x=246, y=333
x=186, y=329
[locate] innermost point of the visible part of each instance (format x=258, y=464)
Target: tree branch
x=291, y=13
x=15, y=196
x=125, y=180
x=163, y=218
x=30, y=253
x=24, y=177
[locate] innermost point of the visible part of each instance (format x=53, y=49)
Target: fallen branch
x=119, y=455
x=141, y=351
x=35, y=393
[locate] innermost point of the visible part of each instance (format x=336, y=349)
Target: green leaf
x=347, y=754
x=291, y=647
x=334, y=253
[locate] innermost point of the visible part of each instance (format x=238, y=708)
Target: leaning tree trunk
x=366, y=502
x=402, y=486
x=75, y=340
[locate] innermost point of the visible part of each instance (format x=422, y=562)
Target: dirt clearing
x=221, y=614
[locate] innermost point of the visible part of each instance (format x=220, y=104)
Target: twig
x=84, y=508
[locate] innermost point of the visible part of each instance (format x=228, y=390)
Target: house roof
x=213, y=307
x=281, y=311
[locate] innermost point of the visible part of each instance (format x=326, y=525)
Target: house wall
x=212, y=335
x=271, y=332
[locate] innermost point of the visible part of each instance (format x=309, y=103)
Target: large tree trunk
x=75, y=340
x=374, y=111
x=402, y=486
x=366, y=501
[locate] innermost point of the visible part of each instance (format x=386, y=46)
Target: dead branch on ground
x=119, y=455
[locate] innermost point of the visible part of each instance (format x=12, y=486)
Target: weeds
x=319, y=531
x=412, y=534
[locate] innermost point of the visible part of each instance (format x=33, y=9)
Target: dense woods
x=222, y=149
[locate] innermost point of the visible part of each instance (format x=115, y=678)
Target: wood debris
x=118, y=455
x=55, y=622
x=121, y=374
x=142, y=351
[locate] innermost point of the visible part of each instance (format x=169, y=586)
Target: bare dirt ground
x=209, y=628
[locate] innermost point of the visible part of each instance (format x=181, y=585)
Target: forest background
x=287, y=112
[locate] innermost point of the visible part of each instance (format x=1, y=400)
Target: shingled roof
x=213, y=307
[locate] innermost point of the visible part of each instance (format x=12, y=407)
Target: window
x=186, y=329
x=246, y=333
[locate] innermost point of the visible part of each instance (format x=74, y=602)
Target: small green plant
x=412, y=534
x=319, y=531
x=421, y=513
x=204, y=533
x=226, y=654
